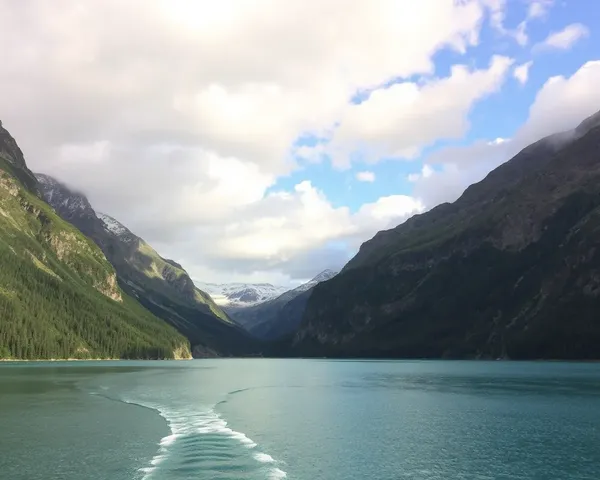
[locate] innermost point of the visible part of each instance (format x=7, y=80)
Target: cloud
x=564, y=39
x=562, y=102
x=219, y=217
x=560, y=105
x=178, y=116
x=521, y=72
x=365, y=176
x=240, y=78
x=539, y=8
x=497, y=20
x=285, y=230
x=400, y=120
x=426, y=172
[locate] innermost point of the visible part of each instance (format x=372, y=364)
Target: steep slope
x=13, y=161
x=58, y=294
x=511, y=269
x=160, y=285
x=280, y=316
x=234, y=296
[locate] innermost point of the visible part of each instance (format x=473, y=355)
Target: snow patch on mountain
x=45, y=179
x=54, y=194
x=112, y=225
x=321, y=277
x=241, y=295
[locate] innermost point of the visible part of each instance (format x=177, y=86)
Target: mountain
x=59, y=296
x=280, y=316
x=159, y=284
x=511, y=269
x=233, y=296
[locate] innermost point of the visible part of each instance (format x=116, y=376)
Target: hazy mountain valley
x=509, y=270
x=291, y=240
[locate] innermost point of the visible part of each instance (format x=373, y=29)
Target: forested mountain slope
x=159, y=284
x=511, y=269
x=59, y=296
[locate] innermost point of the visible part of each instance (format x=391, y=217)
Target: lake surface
x=299, y=419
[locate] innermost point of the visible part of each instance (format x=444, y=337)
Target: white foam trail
x=211, y=422
x=182, y=423
x=263, y=458
x=165, y=442
x=168, y=440
x=277, y=474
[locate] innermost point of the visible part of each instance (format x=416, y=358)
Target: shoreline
x=357, y=359
x=59, y=360
x=93, y=360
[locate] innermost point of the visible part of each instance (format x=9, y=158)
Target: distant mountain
x=233, y=296
x=280, y=316
x=161, y=285
x=59, y=296
x=510, y=270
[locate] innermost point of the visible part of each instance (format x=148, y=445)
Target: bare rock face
x=110, y=288
x=508, y=270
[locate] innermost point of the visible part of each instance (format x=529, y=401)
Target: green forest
x=58, y=293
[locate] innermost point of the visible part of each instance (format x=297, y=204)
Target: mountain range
x=279, y=316
x=233, y=296
x=509, y=270
x=161, y=285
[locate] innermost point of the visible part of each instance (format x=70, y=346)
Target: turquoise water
x=300, y=419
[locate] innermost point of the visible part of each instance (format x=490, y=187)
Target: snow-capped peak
x=241, y=294
x=112, y=225
x=61, y=197
x=45, y=179
x=323, y=276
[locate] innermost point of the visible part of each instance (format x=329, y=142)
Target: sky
x=264, y=141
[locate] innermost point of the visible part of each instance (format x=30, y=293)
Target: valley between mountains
x=510, y=270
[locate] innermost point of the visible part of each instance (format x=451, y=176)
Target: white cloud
x=426, y=172
x=284, y=229
x=365, y=176
x=521, y=72
x=539, y=8
x=242, y=78
x=564, y=39
x=400, y=120
x=562, y=102
x=497, y=20
x=309, y=153
x=520, y=34
x=560, y=105
x=178, y=116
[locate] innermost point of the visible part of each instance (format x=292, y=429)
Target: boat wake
x=202, y=444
